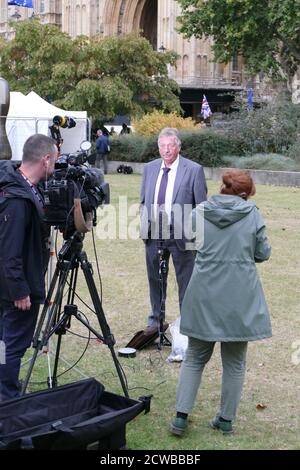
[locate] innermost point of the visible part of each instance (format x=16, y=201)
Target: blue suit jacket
x=189, y=189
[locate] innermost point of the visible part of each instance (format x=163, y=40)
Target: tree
x=265, y=32
x=119, y=75
x=28, y=59
x=104, y=76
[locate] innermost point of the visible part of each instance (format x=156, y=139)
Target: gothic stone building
x=195, y=73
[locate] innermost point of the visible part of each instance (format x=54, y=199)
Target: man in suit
x=171, y=187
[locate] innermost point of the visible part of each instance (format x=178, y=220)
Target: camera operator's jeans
x=16, y=332
x=234, y=365
x=101, y=157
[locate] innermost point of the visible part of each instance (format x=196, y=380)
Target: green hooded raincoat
x=224, y=300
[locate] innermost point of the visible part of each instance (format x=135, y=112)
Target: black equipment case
x=81, y=415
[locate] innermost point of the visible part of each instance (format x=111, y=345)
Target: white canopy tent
x=31, y=114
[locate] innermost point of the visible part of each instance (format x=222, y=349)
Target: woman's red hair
x=238, y=183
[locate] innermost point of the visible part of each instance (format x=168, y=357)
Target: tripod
x=48, y=347
x=70, y=258
x=162, y=272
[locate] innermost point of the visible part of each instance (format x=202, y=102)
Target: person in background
x=224, y=301
x=102, y=149
x=125, y=129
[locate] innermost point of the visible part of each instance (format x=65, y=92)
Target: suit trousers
x=199, y=352
x=183, y=263
x=16, y=332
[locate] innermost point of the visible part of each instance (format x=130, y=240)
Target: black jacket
x=22, y=247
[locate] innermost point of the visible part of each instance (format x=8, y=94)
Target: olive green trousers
x=198, y=354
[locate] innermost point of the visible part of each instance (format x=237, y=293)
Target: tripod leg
x=46, y=307
x=107, y=335
x=65, y=322
x=38, y=343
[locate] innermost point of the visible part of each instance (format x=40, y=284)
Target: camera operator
x=23, y=253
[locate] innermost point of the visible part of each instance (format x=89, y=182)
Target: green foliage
x=266, y=33
x=104, y=76
x=294, y=151
x=207, y=147
x=270, y=134
x=203, y=146
x=271, y=129
x=266, y=161
x=27, y=60
x=133, y=148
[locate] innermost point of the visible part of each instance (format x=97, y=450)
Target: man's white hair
x=170, y=132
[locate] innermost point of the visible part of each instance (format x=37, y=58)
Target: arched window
x=221, y=70
x=198, y=66
x=185, y=66
x=84, y=21
x=68, y=17
x=204, y=66
x=235, y=62
x=78, y=20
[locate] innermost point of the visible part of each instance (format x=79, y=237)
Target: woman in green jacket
x=224, y=300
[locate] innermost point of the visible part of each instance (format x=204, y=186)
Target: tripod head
x=72, y=246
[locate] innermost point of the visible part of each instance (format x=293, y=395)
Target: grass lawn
x=273, y=368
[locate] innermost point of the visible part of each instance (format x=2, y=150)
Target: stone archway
x=148, y=22
x=125, y=16
x=110, y=19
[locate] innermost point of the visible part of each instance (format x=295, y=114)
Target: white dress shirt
x=169, y=190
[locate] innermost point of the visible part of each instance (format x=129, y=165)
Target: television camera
x=74, y=192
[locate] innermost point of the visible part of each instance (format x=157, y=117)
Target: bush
x=153, y=123
x=207, y=147
x=133, y=148
x=267, y=133
x=294, y=151
x=271, y=129
x=273, y=162
x=203, y=146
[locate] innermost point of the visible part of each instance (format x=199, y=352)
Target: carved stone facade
x=195, y=72
x=48, y=11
